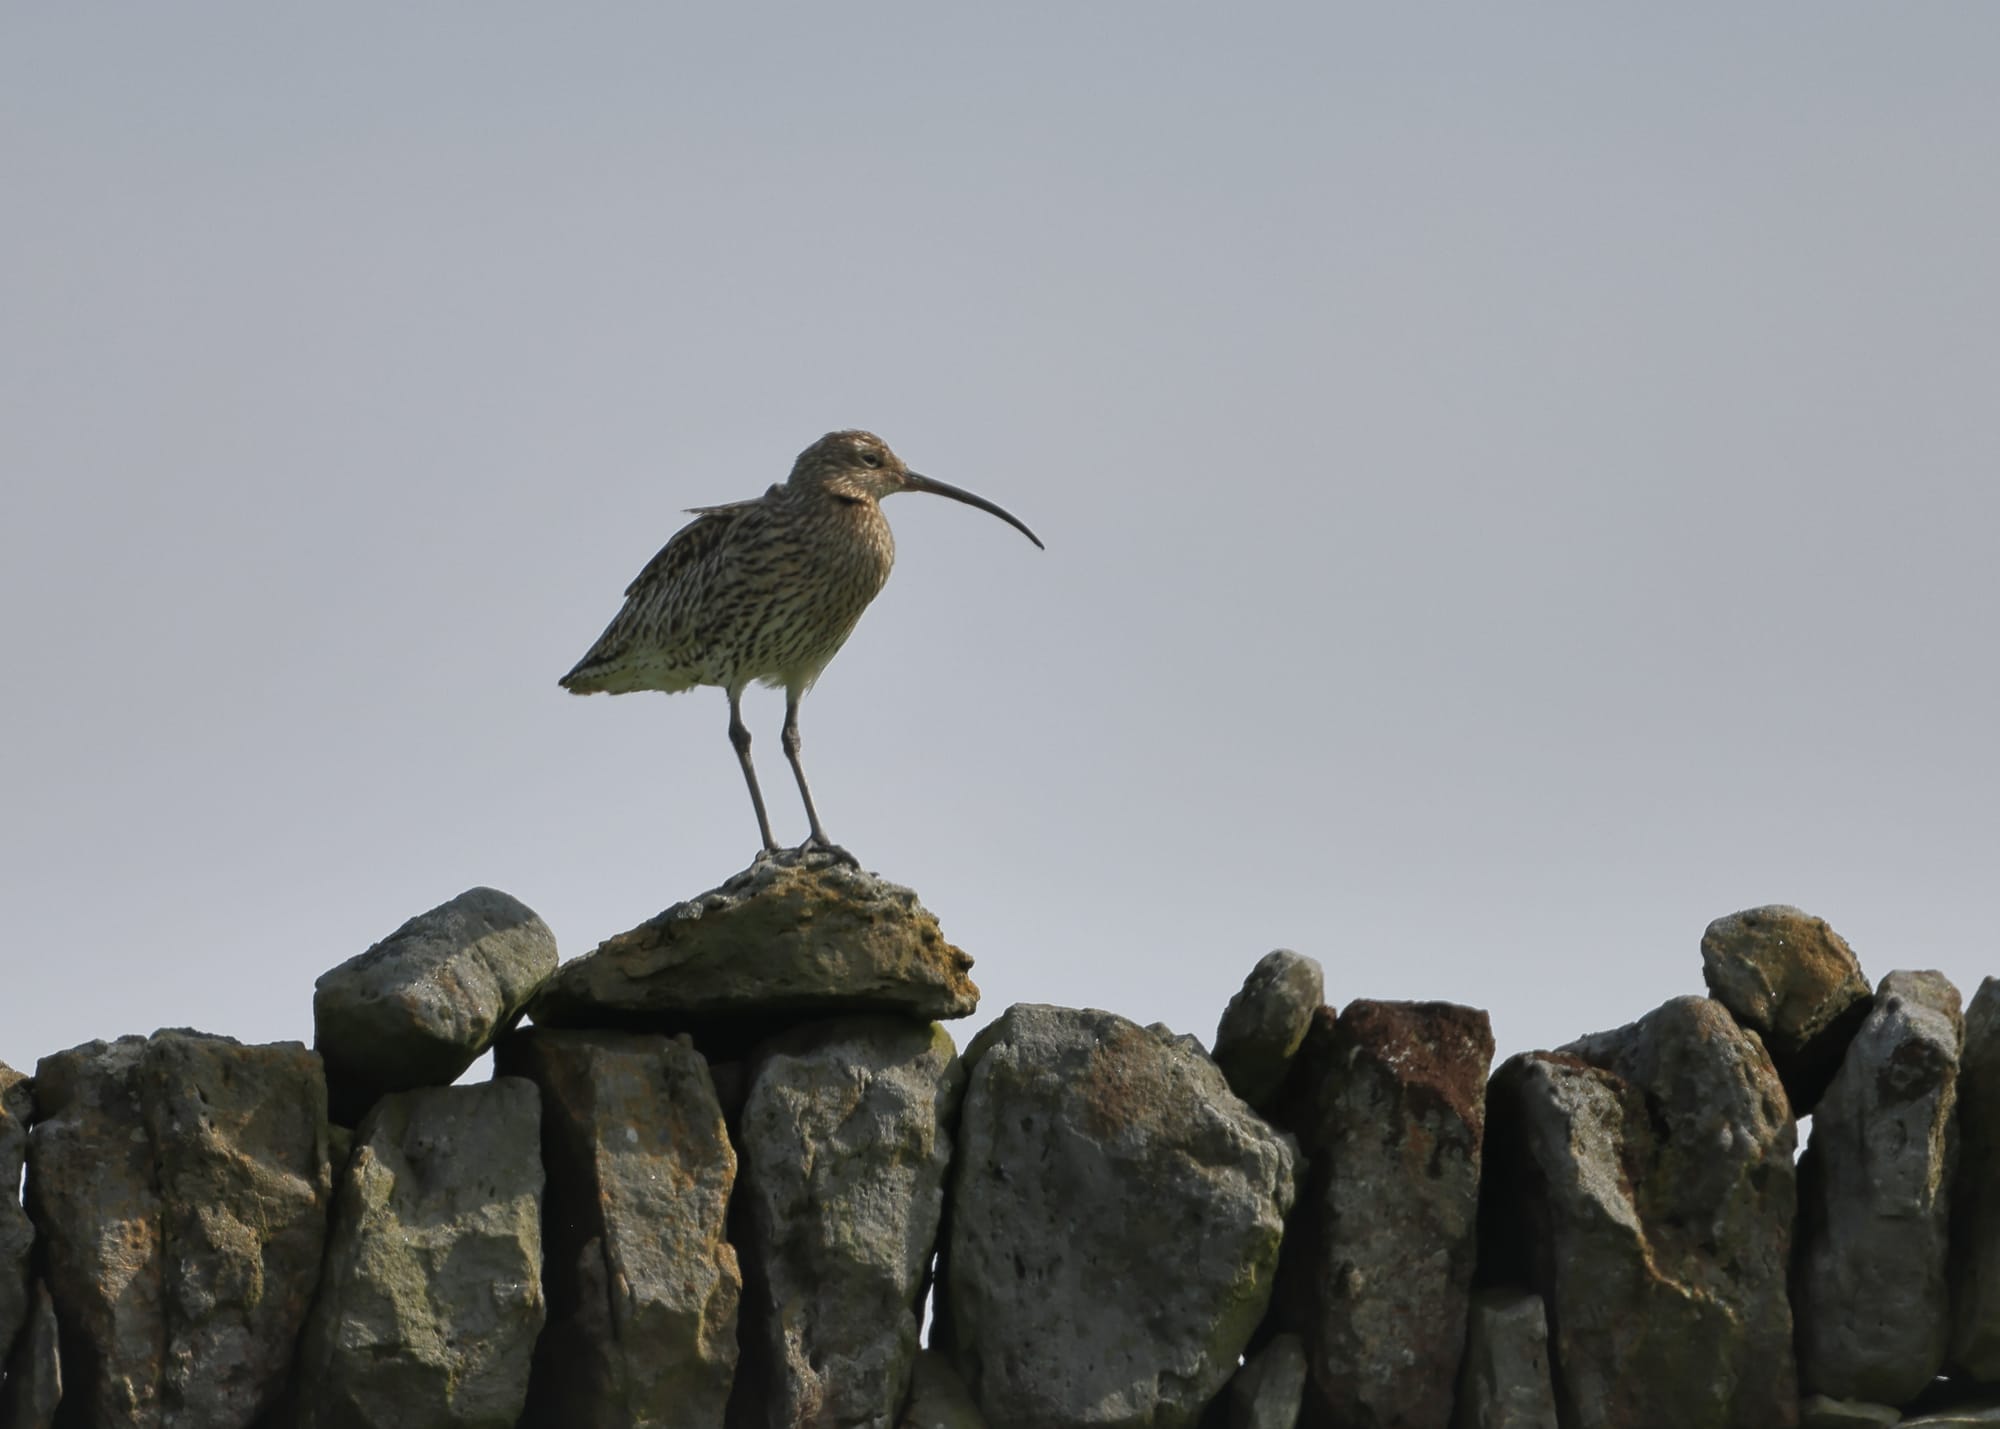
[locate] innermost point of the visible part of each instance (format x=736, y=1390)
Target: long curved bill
x=912, y=481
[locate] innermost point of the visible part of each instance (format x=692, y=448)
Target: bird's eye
x=871, y=458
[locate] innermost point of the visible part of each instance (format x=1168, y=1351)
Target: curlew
x=765, y=590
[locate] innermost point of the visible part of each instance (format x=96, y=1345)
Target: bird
x=766, y=591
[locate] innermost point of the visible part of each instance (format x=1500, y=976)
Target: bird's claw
x=839, y=854
x=821, y=848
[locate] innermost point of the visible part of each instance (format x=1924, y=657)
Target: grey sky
x=1518, y=482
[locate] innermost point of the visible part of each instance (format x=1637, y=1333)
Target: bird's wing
x=658, y=604
x=692, y=544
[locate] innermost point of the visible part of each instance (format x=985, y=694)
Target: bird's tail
x=607, y=674
x=587, y=676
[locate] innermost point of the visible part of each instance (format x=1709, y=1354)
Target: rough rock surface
x=643, y=1286
x=432, y=1296
x=1975, y=1202
x=1397, y=1196
x=1817, y=1411
x=420, y=1006
x=1114, y=1220
x=793, y=935
x=17, y=1232
x=1505, y=1383
x=1793, y=981
x=1270, y=1388
x=1265, y=1022
x=1642, y=1181
x=34, y=1372
x=179, y=1183
x=1875, y=1201
x=938, y=1397
x=846, y=1138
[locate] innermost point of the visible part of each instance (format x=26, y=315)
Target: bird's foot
x=820, y=844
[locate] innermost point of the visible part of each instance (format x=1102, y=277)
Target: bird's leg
x=739, y=735
x=818, y=840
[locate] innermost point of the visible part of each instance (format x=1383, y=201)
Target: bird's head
x=858, y=465
x=851, y=464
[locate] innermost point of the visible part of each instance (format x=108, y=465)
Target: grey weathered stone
x=1817, y=1411
x=34, y=1372
x=846, y=1137
x=938, y=1397
x=1642, y=1181
x=92, y=1193
x=180, y=1184
x=1793, y=981
x=1265, y=1022
x=1114, y=1221
x=1504, y=1383
x=1397, y=1195
x=432, y=1296
x=1875, y=1201
x=1975, y=1202
x=793, y=935
x=420, y=1006
x=643, y=1286
x=1270, y=1389
x=17, y=1232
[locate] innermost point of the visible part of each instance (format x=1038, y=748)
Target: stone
x=423, y=1004
x=1873, y=1303
x=794, y=936
x=179, y=1184
x=1793, y=981
x=1817, y=1411
x=1397, y=1196
x=938, y=1397
x=339, y=1146
x=432, y=1296
x=1975, y=1201
x=34, y=1372
x=1265, y=1022
x=1505, y=1383
x=94, y=1199
x=1641, y=1181
x=1114, y=1221
x=1964, y=1416
x=846, y=1137
x=1297, y=1111
x=1270, y=1389
x=643, y=1286
x=17, y=1232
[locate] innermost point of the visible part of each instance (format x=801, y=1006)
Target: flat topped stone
x=794, y=934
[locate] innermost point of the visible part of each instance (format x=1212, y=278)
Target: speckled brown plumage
x=765, y=590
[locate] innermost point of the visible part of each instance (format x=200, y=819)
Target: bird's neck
x=843, y=489
x=860, y=514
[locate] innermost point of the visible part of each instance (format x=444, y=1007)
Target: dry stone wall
x=731, y=1172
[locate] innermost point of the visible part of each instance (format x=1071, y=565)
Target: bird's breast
x=852, y=568
x=807, y=589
